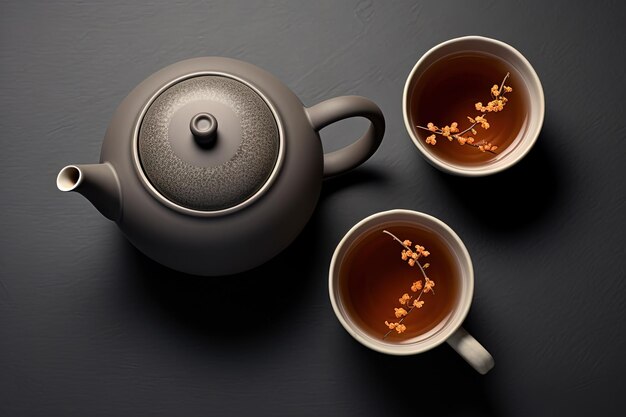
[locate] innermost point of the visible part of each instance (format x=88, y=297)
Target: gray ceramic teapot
x=212, y=166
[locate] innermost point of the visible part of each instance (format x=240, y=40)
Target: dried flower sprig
x=412, y=258
x=452, y=131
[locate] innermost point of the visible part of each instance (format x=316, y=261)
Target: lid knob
x=203, y=126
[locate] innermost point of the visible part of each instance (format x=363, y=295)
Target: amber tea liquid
x=447, y=92
x=373, y=277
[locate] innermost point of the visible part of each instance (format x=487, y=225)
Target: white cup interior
x=526, y=138
x=441, y=332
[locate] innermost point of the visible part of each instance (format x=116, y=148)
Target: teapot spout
x=96, y=182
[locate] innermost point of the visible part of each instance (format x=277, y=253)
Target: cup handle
x=339, y=108
x=471, y=350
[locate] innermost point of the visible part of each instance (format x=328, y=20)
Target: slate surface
x=89, y=326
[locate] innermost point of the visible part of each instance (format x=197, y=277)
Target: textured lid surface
x=208, y=143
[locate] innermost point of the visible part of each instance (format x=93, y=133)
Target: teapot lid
x=209, y=143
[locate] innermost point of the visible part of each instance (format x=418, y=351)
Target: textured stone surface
x=90, y=327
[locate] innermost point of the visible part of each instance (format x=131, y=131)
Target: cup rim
x=530, y=139
x=461, y=310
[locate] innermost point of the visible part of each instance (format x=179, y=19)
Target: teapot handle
x=339, y=108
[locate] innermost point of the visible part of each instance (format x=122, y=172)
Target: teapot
x=211, y=166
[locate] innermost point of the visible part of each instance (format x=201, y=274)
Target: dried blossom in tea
x=447, y=110
x=399, y=290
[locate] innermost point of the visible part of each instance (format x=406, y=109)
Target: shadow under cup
x=463, y=274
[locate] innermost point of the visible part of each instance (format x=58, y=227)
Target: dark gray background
x=89, y=326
